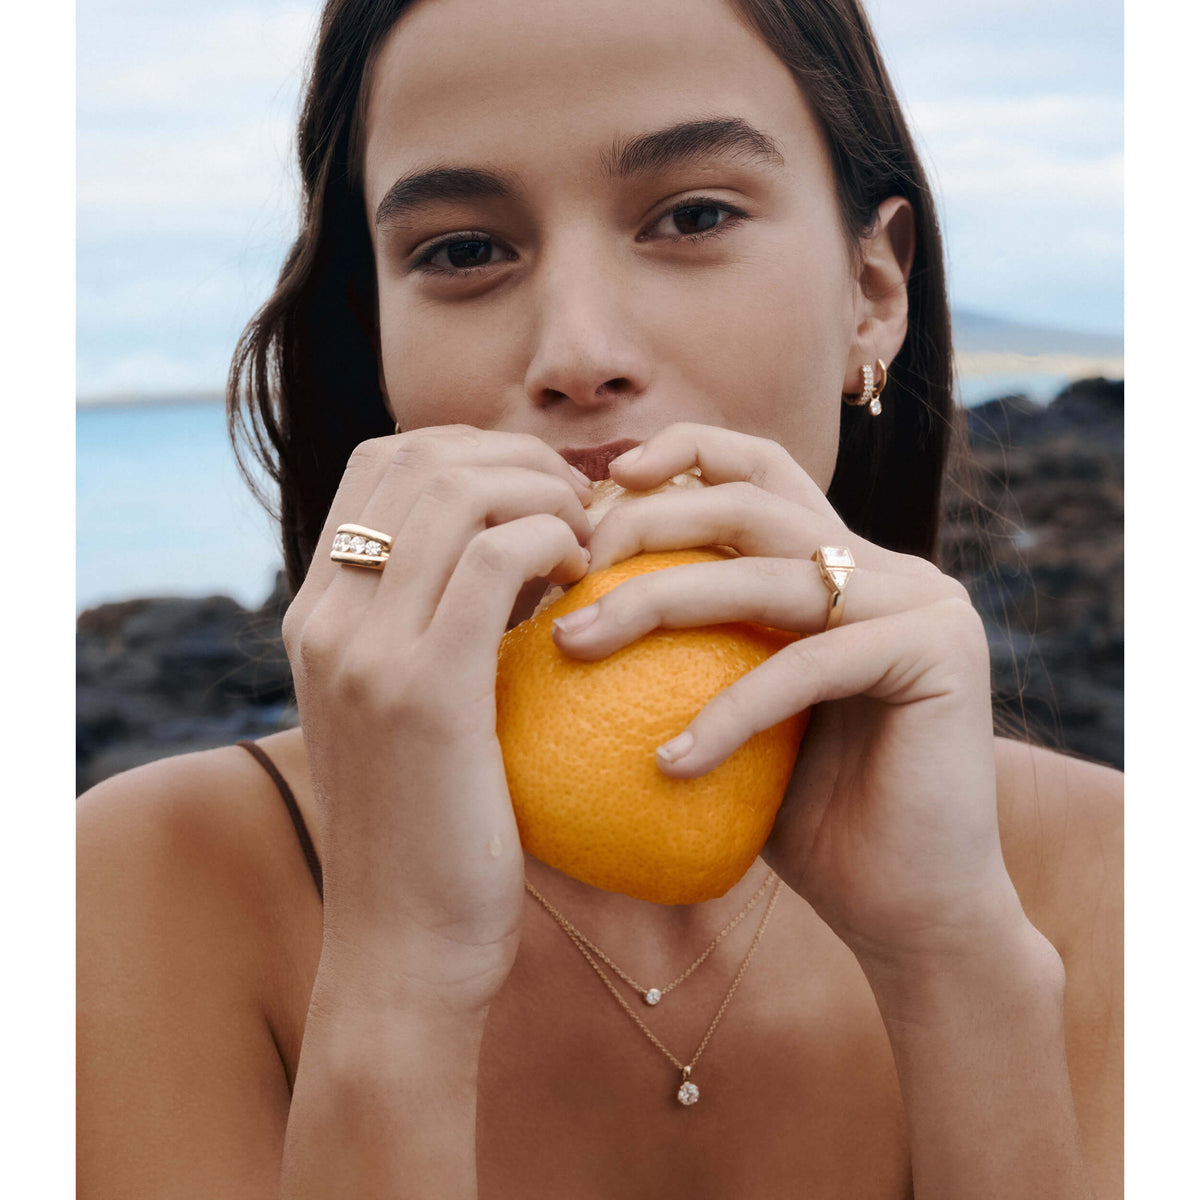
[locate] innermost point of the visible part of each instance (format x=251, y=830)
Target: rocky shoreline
x=1034, y=531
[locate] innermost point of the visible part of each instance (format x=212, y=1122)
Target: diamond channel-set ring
x=835, y=564
x=358, y=546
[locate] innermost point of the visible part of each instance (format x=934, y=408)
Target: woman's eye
x=695, y=219
x=459, y=255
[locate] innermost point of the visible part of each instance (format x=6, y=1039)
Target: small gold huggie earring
x=871, y=391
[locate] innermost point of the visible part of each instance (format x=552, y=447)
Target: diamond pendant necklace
x=651, y=995
x=688, y=1092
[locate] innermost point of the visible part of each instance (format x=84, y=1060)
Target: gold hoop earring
x=871, y=390
x=398, y=429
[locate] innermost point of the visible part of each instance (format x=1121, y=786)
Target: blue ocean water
x=162, y=511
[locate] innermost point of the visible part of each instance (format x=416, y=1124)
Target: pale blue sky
x=186, y=190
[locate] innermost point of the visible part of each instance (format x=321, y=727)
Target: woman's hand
x=889, y=826
x=395, y=677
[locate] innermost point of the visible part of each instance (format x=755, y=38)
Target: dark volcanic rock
x=1035, y=531
x=158, y=677
x=1033, y=527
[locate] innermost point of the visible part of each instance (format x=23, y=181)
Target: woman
x=538, y=233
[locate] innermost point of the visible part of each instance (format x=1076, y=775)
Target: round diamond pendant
x=688, y=1093
x=653, y=996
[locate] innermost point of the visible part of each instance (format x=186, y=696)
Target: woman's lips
x=593, y=460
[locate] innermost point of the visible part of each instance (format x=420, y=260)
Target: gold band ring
x=835, y=564
x=358, y=546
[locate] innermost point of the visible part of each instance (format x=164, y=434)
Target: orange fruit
x=579, y=741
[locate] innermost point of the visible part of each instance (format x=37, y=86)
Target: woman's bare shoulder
x=191, y=918
x=1061, y=825
x=203, y=838
x=182, y=808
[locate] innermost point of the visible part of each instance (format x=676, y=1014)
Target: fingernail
x=587, y=483
x=676, y=748
x=627, y=459
x=581, y=618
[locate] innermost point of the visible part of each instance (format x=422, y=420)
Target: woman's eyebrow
x=687, y=141
x=441, y=185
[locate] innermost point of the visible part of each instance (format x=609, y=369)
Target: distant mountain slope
x=976, y=333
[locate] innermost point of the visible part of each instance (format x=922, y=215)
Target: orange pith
x=579, y=739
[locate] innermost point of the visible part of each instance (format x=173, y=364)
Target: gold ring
x=835, y=565
x=359, y=546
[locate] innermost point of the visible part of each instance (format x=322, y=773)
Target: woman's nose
x=587, y=349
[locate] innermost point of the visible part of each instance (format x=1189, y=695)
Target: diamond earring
x=871, y=391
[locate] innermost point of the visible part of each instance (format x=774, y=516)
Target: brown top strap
x=310, y=854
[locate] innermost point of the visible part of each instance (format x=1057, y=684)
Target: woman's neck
x=643, y=938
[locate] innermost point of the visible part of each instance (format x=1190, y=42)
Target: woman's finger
x=479, y=596
x=785, y=594
x=455, y=504
x=763, y=502
x=739, y=515
x=936, y=654
x=385, y=477
x=723, y=456
x=398, y=467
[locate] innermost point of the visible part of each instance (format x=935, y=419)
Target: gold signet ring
x=835, y=564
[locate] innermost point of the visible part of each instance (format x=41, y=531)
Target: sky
x=186, y=190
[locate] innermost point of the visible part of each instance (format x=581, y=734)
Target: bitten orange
x=579, y=741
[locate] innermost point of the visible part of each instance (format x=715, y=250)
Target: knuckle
x=921, y=567
x=448, y=485
x=491, y=552
x=802, y=663
x=770, y=570
x=534, y=443
x=505, y=551
x=293, y=625
x=393, y=691
x=957, y=590
x=774, y=456
x=957, y=618
x=622, y=605
x=565, y=491
x=368, y=455
x=359, y=685
x=314, y=646
x=729, y=707
x=412, y=450
x=745, y=492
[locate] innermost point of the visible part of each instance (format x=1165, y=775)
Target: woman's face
x=593, y=220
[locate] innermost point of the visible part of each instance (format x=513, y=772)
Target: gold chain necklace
x=651, y=995
x=688, y=1092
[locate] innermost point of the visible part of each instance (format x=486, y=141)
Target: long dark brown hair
x=304, y=390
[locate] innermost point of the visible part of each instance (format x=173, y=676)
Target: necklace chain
x=688, y=1092
x=578, y=936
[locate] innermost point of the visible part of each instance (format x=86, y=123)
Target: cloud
x=149, y=370
x=1074, y=27
x=187, y=117
x=187, y=185
x=189, y=63
x=229, y=177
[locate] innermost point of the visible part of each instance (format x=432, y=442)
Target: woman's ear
x=886, y=258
